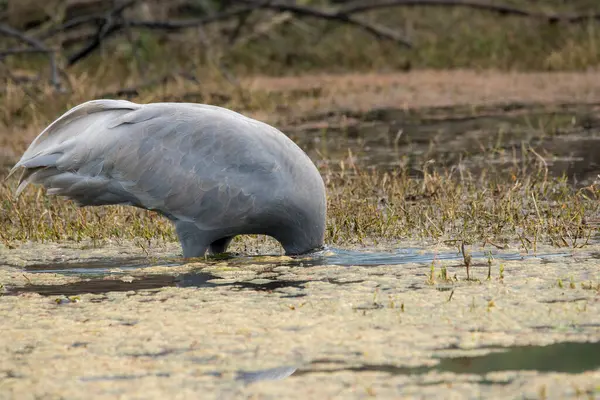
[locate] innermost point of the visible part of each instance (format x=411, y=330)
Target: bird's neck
x=302, y=234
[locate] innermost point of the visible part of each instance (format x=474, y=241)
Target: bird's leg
x=220, y=246
x=193, y=240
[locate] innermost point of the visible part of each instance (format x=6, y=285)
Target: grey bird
x=213, y=172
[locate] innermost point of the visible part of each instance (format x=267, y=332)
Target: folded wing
x=190, y=162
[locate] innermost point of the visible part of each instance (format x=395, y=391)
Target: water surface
x=95, y=271
x=564, y=357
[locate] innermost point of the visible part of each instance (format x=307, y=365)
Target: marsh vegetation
x=463, y=191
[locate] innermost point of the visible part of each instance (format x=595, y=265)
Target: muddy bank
x=362, y=92
x=229, y=327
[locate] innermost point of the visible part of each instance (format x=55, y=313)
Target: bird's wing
x=193, y=163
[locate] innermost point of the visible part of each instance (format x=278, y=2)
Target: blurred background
x=290, y=37
x=119, y=42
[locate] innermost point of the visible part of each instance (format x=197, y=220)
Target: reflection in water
x=96, y=286
x=271, y=374
x=566, y=357
x=193, y=279
x=100, y=266
x=333, y=256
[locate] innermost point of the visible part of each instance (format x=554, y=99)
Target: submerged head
x=298, y=221
x=305, y=233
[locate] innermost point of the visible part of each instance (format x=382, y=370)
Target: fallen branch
x=12, y=32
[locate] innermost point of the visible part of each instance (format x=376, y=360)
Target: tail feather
x=49, y=146
x=33, y=164
x=44, y=161
x=83, y=189
x=33, y=175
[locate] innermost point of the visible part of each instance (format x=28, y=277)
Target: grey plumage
x=212, y=171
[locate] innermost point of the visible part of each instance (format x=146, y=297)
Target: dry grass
x=521, y=205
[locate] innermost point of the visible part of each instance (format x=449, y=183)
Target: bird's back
x=191, y=162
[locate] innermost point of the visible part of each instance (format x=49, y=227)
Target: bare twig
x=502, y=9
x=105, y=30
x=37, y=46
x=378, y=31
x=72, y=24
x=23, y=50
x=264, y=29
x=114, y=22
x=241, y=22
x=193, y=23
x=12, y=32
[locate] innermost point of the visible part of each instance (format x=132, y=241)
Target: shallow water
x=328, y=256
x=95, y=270
x=566, y=357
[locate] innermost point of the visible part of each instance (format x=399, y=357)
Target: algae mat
x=274, y=327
